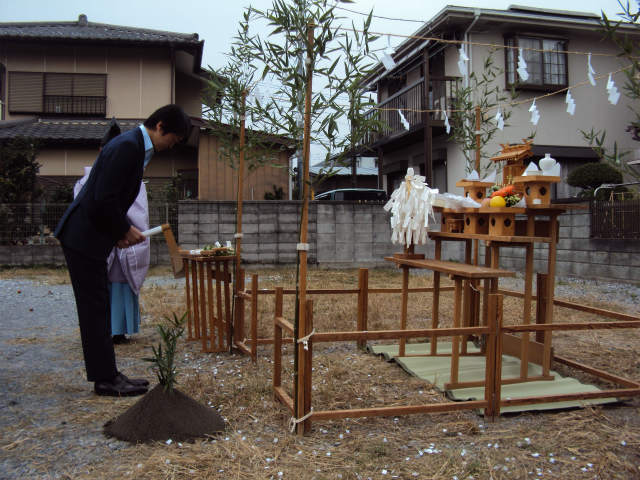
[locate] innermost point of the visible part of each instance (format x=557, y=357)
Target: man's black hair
x=113, y=131
x=173, y=119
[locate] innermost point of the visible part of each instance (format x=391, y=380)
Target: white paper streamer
x=404, y=121
x=522, y=66
x=590, y=71
x=571, y=104
x=447, y=126
x=411, y=205
x=462, y=61
x=535, y=115
x=387, y=60
x=614, y=94
x=499, y=119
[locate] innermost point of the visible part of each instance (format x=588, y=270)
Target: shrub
x=591, y=175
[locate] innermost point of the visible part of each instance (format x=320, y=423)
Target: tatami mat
x=436, y=370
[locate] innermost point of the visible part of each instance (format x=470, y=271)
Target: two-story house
x=62, y=82
x=555, y=45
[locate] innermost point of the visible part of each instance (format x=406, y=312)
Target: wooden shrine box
x=476, y=222
x=502, y=220
x=452, y=221
x=474, y=189
x=514, y=157
x=537, y=188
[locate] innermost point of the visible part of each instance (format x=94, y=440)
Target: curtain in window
x=555, y=70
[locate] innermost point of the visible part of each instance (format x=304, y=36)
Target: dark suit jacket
x=97, y=218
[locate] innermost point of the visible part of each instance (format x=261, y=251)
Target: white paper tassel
x=447, y=126
x=387, y=60
x=404, y=121
x=535, y=115
x=499, y=120
x=614, y=94
x=571, y=104
x=522, y=66
x=411, y=205
x=462, y=61
x=590, y=71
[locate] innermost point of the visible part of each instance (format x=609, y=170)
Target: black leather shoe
x=121, y=340
x=138, y=382
x=118, y=387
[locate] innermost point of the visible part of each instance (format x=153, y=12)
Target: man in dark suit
x=95, y=222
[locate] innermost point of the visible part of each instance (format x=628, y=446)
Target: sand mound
x=159, y=416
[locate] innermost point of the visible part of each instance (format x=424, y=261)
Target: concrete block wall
x=580, y=256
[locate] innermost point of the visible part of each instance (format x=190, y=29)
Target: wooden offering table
x=540, y=226
x=459, y=272
x=208, y=314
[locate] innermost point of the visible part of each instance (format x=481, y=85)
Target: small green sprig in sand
x=163, y=358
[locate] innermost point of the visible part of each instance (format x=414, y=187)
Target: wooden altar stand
x=208, y=298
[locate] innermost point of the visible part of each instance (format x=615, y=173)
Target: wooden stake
x=455, y=346
x=196, y=303
x=363, y=302
x=254, y=318
x=227, y=306
x=526, y=314
x=219, y=321
x=187, y=293
x=435, y=308
x=277, y=341
x=203, y=306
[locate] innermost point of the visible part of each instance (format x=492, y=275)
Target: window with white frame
x=546, y=60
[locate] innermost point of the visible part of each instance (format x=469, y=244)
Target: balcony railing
x=411, y=101
x=76, y=105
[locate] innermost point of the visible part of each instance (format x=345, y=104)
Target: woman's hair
x=112, y=132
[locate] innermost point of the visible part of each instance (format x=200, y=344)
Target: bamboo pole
x=238, y=236
x=300, y=325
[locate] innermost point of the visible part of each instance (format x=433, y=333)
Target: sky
x=216, y=21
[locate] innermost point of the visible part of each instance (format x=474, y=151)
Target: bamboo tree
x=334, y=59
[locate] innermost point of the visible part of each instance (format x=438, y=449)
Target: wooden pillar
x=227, y=306
x=455, y=345
x=203, y=304
x=254, y=317
x=403, y=311
x=551, y=281
x=210, y=314
x=187, y=292
x=435, y=308
x=526, y=314
x=219, y=323
x=194, y=289
x=493, y=366
x=277, y=341
x=541, y=303
x=363, y=303
x=308, y=371
x=238, y=327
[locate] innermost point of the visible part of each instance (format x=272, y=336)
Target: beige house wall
x=139, y=80
x=217, y=180
x=65, y=161
x=556, y=127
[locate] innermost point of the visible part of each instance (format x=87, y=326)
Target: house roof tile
x=52, y=131
x=84, y=31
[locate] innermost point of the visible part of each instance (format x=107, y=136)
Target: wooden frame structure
x=208, y=299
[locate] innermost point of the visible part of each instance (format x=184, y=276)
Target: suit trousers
x=90, y=287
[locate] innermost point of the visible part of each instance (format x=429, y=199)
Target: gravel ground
x=40, y=346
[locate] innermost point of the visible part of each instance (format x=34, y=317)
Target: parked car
x=363, y=195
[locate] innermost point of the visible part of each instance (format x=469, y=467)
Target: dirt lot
x=51, y=422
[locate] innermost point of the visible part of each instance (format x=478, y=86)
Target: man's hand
x=132, y=237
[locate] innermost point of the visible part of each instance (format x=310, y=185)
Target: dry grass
x=602, y=442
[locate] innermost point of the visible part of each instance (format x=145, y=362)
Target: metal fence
x=34, y=223
x=615, y=219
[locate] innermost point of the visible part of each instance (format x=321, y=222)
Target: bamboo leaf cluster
x=164, y=354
